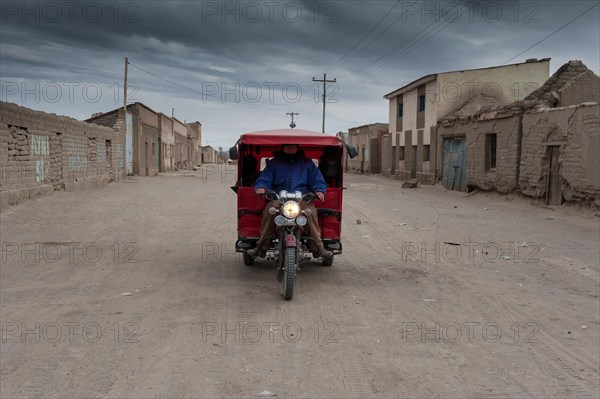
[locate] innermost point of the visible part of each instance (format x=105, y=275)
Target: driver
x=290, y=170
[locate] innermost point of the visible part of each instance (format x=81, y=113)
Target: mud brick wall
x=576, y=130
x=504, y=178
x=426, y=178
x=115, y=150
x=403, y=174
x=41, y=153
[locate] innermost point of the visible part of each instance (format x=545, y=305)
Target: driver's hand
x=260, y=191
x=320, y=195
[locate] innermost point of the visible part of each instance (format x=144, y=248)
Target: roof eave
x=412, y=85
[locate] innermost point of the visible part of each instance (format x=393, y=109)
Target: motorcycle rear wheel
x=327, y=261
x=248, y=260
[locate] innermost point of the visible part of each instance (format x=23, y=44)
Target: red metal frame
x=262, y=145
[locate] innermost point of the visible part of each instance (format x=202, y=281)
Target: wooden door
x=553, y=192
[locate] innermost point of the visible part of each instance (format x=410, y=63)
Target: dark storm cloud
x=199, y=44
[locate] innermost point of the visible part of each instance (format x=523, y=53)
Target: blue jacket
x=292, y=175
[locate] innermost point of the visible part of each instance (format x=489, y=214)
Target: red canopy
x=289, y=136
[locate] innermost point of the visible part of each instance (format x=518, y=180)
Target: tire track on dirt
x=367, y=287
x=575, y=386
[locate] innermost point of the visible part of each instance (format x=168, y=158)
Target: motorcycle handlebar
x=270, y=193
x=308, y=197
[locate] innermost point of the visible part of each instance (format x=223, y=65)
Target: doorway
x=553, y=189
x=455, y=155
x=146, y=157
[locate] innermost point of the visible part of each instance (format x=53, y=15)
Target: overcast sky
x=240, y=66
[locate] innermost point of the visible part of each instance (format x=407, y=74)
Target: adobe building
x=167, y=138
x=366, y=139
x=142, y=136
x=416, y=108
x=544, y=146
x=559, y=150
x=208, y=154
x=182, y=144
x=41, y=153
x=195, y=135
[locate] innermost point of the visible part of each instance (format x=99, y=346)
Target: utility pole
x=125, y=87
x=292, y=125
x=325, y=81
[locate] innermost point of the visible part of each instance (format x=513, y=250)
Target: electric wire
x=363, y=38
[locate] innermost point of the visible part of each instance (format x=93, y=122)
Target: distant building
x=195, y=135
x=155, y=142
x=167, y=136
x=208, y=154
x=141, y=137
x=366, y=139
x=416, y=108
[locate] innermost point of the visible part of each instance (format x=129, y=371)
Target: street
x=134, y=291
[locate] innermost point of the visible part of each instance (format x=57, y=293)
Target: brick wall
x=502, y=178
x=576, y=130
x=41, y=153
x=360, y=138
x=426, y=178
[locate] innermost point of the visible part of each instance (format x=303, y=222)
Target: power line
x=374, y=39
x=541, y=40
x=167, y=80
x=417, y=38
x=364, y=37
x=556, y=31
x=405, y=45
x=365, y=71
x=204, y=96
x=414, y=38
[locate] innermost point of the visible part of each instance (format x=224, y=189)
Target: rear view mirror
x=352, y=153
x=233, y=154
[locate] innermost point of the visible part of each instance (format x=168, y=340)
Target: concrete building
x=142, y=136
x=367, y=141
x=416, y=108
x=544, y=146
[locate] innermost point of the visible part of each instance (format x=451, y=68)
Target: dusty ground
x=387, y=320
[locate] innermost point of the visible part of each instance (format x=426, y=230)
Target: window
x=401, y=154
x=426, y=153
x=422, y=103
x=400, y=110
x=490, y=151
x=152, y=148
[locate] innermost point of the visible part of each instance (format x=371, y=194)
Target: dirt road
x=404, y=312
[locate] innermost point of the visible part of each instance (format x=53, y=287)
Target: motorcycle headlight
x=291, y=209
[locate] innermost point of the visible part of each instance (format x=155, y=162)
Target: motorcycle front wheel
x=289, y=272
